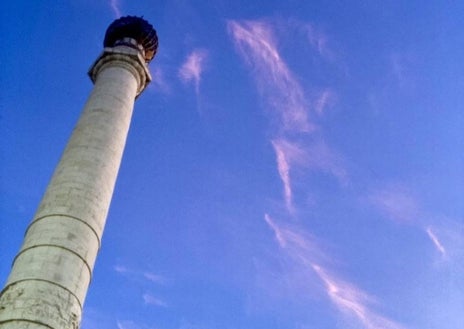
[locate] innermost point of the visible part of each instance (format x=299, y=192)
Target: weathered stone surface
x=52, y=271
x=38, y=304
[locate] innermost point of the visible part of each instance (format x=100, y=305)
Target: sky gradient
x=292, y=165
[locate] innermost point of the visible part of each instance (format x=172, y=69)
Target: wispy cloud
x=447, y=237
x=155, y=278
x=396, y=202
x=115, y=7
x=255, y=42
x=120, y=269
x=299, y=245
x=149, y=299
x=139, y=275
x=353, y=301
x=283, y=166
x=289, y=111
x=193, y=67
x=325, y=100
x=317, y=39
x=278, y=234
x=435, y=241
x=314, y=155
x=159, y=82
x=349, y=299
x=399, y=204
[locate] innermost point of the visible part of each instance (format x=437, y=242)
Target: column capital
x=123, y=56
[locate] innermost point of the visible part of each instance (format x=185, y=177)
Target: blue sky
x=293, y=164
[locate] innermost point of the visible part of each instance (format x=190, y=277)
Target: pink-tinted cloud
x=396, y=203
x=325, y=100
x=283, y=168
x=278, y=234
x=315, y=155
x=115, y=8
x=351, y=301
x=447, y=236
x=256, y=44
x=193, y=67
x=435, y=241
x=322, y=158
x=299, y=245
x=317, y=40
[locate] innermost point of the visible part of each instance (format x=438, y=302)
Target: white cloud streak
x=315, y=156
x=193, y=67
x=283, y=168
x=435, y=241
x=353, y=302
x=255, y=43
x=155, y=278
x=325, y=99
x=115, y=6
x=138, y=275
x=398, y=204
x=346, y=297
x=120, y=269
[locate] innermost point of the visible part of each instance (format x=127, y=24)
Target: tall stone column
x=52, y=271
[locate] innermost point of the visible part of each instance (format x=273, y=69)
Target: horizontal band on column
x=59, y=247
x=46, y=281
x=67, y=216
x=28, y=321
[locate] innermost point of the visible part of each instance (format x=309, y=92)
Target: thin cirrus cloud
x=435, y=241
x=318, y=40
x=289, y=110
x=139, y=275
x=114, y=4
x=192, y=69
x=349, y=300
x=315, y=156
x=159, y=81
x=325, y=100
x=353, y=302
x=155, y=278
x=315, y=37
x=283, y=167
x=255, y=43
x=397, y=203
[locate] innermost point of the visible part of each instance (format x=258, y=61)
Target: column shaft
x=51, y=273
